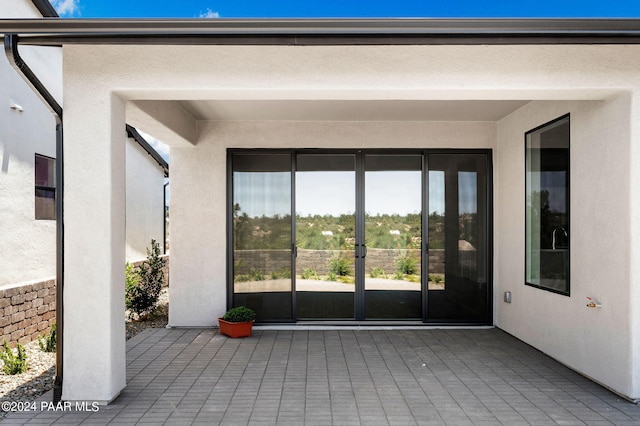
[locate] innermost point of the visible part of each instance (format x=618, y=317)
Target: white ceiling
x=351, y=110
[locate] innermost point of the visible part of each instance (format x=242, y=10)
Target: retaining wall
x=267, y=261
x=28, y=310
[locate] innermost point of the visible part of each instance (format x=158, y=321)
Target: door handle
x=364, y=251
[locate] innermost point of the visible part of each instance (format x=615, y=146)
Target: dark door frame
x=359, y=265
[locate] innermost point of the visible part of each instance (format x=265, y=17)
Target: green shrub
x=48, y=343
x=131, y=280
x=407, y=265
x=332, y=277
x=377, y=272
x=239, y=314
x=309, y=274
x=241, y=278
x=143, y=287
x=398, y=275
x=255, y=275
x=347, y=279
x=340, y=265
x=14, y=364
x=280, y=274
x=436, y=278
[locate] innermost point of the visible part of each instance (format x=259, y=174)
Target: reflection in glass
x=45, y=188
x=325, y=241
x=437, y=209
x=262, y=235
x=393, y=238
x=262, y=231
x=547, y=210
x=45, y=203
x=458, y=280
x=467, y=225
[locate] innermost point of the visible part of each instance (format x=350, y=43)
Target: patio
x=346, y=377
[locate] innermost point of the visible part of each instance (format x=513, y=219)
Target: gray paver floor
x=347, y=377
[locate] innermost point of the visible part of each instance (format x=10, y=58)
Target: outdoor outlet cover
x=507, y=296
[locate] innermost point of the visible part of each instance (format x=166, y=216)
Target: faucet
x=553, y=241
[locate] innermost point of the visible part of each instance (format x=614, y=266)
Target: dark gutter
x=324, y=31
x=45, y=8
x=133, y=133
x=11, y=51
x=164, y=217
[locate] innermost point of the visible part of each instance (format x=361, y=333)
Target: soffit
x=351, y=110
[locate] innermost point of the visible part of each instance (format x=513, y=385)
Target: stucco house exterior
x=361, y=172
x=28, y=158
x=27, y=135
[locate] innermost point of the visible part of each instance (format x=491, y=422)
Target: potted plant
x=237, y=322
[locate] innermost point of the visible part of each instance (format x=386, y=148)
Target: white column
x=634, y=251
x=94, y=219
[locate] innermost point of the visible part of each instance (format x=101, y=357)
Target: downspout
x=164, y=217
x=11, y=50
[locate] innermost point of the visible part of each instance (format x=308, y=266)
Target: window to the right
x=547, y=206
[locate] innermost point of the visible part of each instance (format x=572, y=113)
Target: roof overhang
x=54, y=31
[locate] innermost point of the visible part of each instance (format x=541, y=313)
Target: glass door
x=458, y=277
x=261, y=234
x=361, y=235
x=325, y=201
x=393, y=236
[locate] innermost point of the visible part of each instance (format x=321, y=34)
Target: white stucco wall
x=198, y=212
x=595, y=341
x=145, y=202
x=597, y=84
x=27, y=245
x=19, y=9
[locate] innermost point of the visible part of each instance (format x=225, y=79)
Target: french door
x=360, y=235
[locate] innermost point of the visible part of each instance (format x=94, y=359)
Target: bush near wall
x=165, y=270
x=27, y=311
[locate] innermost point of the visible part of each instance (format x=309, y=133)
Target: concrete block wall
x=27, y=311
x=267, y=261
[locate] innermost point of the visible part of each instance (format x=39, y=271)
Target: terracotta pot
x=235, y=329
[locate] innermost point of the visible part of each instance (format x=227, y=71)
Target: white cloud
x=209, y=14
x=66, y=7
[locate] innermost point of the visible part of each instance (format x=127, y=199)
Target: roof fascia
x=132, y=132
x=323, y=31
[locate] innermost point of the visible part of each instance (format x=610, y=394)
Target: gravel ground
x=39, y=377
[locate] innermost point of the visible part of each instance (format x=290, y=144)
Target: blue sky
x=345, y=9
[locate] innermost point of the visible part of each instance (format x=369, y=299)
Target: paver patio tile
x=347, y=377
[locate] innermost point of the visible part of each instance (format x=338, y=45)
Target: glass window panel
x=458, y=286
x=437, y=211
x=45, y=187
x=325, y=240
x=393, y=237
x=45, y=171
x=547, y=207
x=262, y=226
x=468, y=225
x=45, y=204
